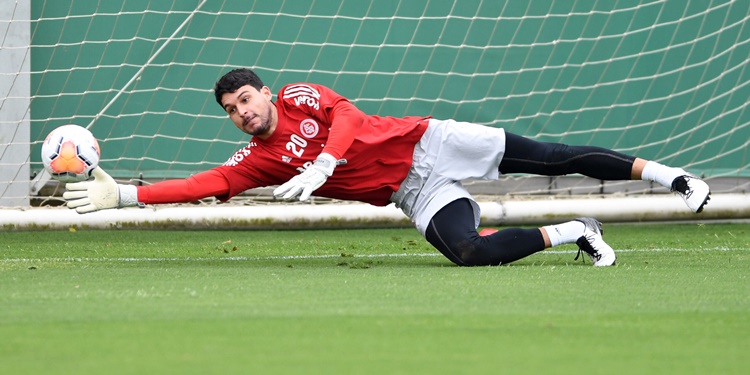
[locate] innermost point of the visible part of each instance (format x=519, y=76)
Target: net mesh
x=665, y=80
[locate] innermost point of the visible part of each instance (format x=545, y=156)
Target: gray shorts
x=448, y=153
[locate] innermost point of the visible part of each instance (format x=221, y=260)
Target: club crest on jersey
x=309, y=128
x=303, y=95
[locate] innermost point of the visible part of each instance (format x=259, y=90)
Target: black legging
x=523, y=155
x=452, y=230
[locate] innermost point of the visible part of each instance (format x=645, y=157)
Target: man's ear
x=266, y=92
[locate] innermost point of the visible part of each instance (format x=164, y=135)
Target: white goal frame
x=29, y=199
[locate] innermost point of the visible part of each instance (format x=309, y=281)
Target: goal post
x=14, y=105
x=665, y=80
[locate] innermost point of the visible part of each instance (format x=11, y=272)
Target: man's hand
x=100, y=194
x=308, y=181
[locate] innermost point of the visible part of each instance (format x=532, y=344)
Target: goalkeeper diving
x=313, y=141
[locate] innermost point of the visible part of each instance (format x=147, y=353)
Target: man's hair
x=235, y=79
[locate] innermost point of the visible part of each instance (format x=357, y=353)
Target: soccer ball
x=70, y=153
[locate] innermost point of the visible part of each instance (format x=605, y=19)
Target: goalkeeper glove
x=100, y=194
x=308, y=181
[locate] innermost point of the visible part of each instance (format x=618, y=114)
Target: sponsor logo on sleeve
x=303, y=95
x=240, y=155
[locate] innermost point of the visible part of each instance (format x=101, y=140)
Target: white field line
x=323, y=256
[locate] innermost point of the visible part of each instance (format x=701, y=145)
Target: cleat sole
x=705, y=201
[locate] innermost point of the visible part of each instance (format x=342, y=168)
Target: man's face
x=251, y=110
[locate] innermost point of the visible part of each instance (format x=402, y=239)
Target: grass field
x=370, y=302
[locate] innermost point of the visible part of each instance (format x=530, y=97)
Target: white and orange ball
x=70, y=153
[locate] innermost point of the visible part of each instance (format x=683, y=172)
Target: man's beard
x=265, y=124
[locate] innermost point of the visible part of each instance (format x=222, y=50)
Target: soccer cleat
x=593, y=244
x=694, y=192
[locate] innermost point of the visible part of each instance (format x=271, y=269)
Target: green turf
x=369, y=302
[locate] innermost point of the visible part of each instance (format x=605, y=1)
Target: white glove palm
x=308, y=181
x=100, y=194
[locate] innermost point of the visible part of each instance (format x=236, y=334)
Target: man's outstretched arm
x=103, y=192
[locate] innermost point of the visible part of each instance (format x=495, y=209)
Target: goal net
x=666, y=80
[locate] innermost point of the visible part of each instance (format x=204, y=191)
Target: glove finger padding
x=74, y=195
x=75, y=203
x=306, y=193
x=87, y=209
x=293, y=193
x=78, y=186
x=290, y=189
x=100, y=176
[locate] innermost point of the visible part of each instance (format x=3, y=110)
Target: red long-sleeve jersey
x=311, y=119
